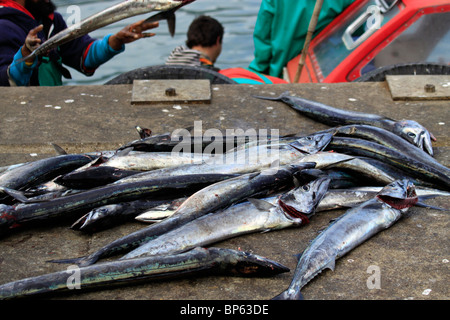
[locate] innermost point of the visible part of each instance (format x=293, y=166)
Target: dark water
x=237, y=16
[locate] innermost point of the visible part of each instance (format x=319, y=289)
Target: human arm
x=105, y=49
x=19, y=73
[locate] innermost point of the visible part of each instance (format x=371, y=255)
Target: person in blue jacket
x=25, y=24
x=281, y=28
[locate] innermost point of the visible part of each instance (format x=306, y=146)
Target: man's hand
x=32, y=41
x=132, y=33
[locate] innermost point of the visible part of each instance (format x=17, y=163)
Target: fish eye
x=411, y=134
x=305, y=188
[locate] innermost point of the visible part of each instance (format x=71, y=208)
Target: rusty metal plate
x=171, y=91
x=419, y=87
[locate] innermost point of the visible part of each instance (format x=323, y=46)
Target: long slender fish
x=415, y=168
x=410, y=130
x=118, y=12
x=199, y=261
x=340, y=198
x=352, y=229
x=23, y=214
x=293, y=208
x=206, y=200
x=114, y=214
x=245, y=160
x=36, y=172
x=390, y=140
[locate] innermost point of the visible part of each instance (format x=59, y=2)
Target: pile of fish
x=373, y=167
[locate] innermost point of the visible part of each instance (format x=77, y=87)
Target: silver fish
x=410, y=130
x=211, y=198
x=118, y=12
x=352, y=229
x=199, y=261
x=252, y=159
x=293, y=208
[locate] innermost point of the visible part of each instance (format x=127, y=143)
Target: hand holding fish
x=32, y=42
x=132, y=33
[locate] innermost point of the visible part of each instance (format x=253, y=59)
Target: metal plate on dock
x=171, y=91
x=419, y=87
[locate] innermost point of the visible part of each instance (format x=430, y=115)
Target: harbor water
x=238, y=18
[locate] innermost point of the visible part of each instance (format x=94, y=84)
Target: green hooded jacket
x=281, y=28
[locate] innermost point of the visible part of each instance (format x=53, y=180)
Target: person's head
x=206, y=32
x=40, y=8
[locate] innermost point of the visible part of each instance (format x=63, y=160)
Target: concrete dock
x=411, y=258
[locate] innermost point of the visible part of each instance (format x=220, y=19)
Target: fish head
x=300, y=203
x=312, y=143
x=416, y=134
x=400, y=194
x=249, y=264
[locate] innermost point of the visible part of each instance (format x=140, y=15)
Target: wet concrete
x=411, y=257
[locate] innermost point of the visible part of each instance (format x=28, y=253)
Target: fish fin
x=81, y=261
x=165, y=15
x=67, y=261
x=298, y=256
x=171, y=22
x=286, y=296
x=124, y=152
x=18, y=195
x=253, y=175
x=421, y=204
x=59, y=150
x=330, y=265
x=261, y=204
x=428, y=206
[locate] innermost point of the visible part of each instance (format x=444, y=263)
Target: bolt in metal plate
x=419, y=87
x=171, y=91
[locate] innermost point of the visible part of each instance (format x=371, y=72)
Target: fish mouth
x=399, y=195
x=305, y=208
x=313, y=143
x=416, y=134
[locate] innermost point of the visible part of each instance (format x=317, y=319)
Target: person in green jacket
x=281, y=28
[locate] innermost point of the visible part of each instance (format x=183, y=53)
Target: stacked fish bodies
x=255, y=187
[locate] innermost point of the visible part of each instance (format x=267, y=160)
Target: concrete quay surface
x=411, y=257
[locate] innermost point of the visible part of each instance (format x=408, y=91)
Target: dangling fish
x=118, y=12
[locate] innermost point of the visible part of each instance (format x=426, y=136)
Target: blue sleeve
x=100, y=52
x=21, y=73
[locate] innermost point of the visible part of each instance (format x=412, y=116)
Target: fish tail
x=81, y=261
x=285, y=295
x=279, y=98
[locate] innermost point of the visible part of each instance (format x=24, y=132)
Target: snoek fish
x=118, y=12
x=93, y=177
x=352, y=229
x=245, y=160
x=22, y=214
x=113, y=214
x=199, y=261
x=410, y=130
x=36, y=172
x=146, y=161
x=293, y=208
x=390, y=140
x=416, y=168
x=206, y=200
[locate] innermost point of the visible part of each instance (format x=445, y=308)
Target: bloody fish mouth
x=399, y=203
x=294, y=213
